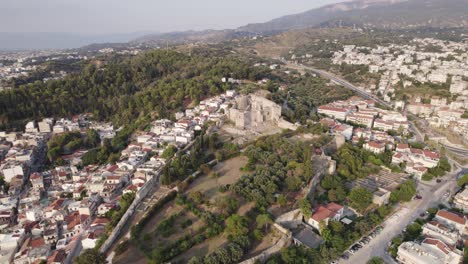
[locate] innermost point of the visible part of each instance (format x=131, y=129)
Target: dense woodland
x=278, y=164
x=305, y=94
x=124, y=88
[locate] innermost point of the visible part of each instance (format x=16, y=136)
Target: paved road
x=406, y=214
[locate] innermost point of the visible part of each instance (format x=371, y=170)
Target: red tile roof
x=37, y=242
x=376, y=145
x=331, y=108
x=454, y=217
x=58, y=256
x=324, y=212
x=439, y=244
x=402, y=146
x=431, y=154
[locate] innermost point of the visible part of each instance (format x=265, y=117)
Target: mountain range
x=381, y=14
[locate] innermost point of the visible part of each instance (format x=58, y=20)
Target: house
x=417, y=169
x=451, y=219
x=403, y=148
x=91, y=238
x=105, y=207
x=74, y=223
x=51, y=235
x=331, y=211
x=306, y=236
x=375, y=147
x=460, y=200
x=58, y=257
x=36, y=181
x=345, y=130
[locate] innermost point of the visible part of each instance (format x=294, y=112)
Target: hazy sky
x=125, y=16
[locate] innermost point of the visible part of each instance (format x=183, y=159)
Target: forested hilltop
x=124, y=88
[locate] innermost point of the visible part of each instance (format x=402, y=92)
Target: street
x=406, y=214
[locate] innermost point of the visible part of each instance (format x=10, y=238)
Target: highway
x=419, y=136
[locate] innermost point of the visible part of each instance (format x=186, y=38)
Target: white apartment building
x=460, y=200
x=430, y=251
x=335, y=112
x=446, y=234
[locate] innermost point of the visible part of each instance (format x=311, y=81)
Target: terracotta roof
x=334, y=207
x=454, y=217
x=332, y=108
x=416, y=151
x=340, y=128
x=439, y=225
x=35, y=176
x=431, y=154
x=402, y=146
x=324, y=212
x=36, y=242
x=58, y=256
x=376, y=144
x=112, y=168
x=100, y=221
x=439, y=244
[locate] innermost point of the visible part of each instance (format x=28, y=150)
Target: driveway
x=404, y=215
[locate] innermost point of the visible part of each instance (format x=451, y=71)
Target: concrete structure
x=460, y=200
x=375, y=147
x=430, y=251
x=335, y=112
x=252, y=111
x=435, y=229
x=381, y=185
x=451, y=219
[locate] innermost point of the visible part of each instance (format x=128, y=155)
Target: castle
x=254, y=112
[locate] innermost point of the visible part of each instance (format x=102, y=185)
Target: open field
x=228, y=173
x=174, y=221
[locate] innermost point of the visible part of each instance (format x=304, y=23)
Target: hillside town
x=342, y=143
x=54, y=214
x=421, y=62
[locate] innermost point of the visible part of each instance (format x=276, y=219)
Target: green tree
x=281, y=200
x=263, y=220
x=306, y=208
x=462, y=181
x=227, y=205
x=236, y=225
x=90, y=256
x=169, y=152
x=360, y=198
x=404, y=193
x=376, y=260
x=293, y=183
